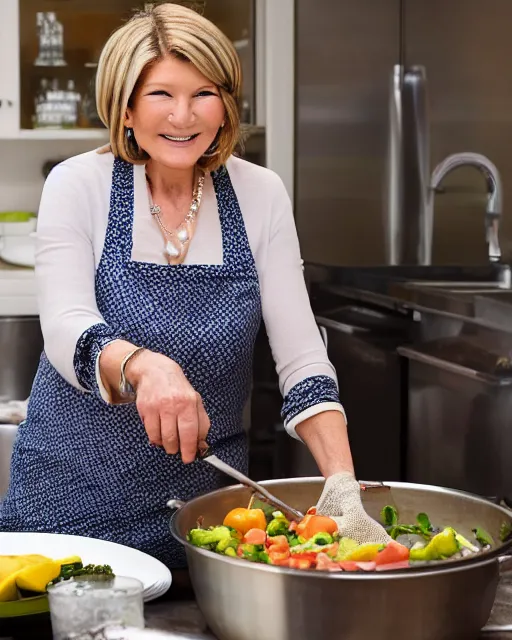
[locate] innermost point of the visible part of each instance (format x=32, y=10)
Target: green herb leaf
x=389, y=516
x=424, y=522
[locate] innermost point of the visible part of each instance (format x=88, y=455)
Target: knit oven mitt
x=341, y=500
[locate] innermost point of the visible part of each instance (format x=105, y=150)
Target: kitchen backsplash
x=21, y=168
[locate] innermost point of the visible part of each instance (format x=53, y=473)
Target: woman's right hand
x=170, y=408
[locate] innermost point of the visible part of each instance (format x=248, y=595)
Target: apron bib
x=83, y=467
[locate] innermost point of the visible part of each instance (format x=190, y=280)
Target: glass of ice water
x=84, y=609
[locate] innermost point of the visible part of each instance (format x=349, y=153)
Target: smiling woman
x=158, y=257
x=175, y=113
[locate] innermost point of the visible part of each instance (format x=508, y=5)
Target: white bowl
x=9, y=229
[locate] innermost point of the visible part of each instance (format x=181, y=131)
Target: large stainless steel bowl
x=246, y=601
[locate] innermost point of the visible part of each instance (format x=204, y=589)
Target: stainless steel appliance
x=21, y=344
x=7, y=438
x=443, y=602
x=396, y=87
x=459, y=408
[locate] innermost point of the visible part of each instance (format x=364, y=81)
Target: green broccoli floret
x=321, y=538
x=209, y=538
x=227, y=543
x=315, y=543
x=90, y=571
x=278, y=526
x=251, y=552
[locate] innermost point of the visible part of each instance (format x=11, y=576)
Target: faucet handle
x=492, y=223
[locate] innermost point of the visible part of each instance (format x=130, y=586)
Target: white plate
x=125, y=561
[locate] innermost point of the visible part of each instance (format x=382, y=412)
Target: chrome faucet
x=494, y=207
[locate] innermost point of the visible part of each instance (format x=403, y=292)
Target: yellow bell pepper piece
x=443, y=545
x=29, y=572
x=69, y=560
x=37, y=576
x=8, y=589
x=364, y=552
x=10, y=564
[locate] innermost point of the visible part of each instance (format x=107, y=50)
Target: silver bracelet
x=125, y=388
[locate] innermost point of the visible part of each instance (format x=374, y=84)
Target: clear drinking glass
x=82, y=609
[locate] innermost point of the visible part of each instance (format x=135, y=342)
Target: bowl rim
x=492, y=556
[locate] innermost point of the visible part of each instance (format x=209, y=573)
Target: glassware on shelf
x=56, y=108
x=89, y=114
x=51, y=40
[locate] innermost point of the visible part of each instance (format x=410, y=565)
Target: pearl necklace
x=178, y=240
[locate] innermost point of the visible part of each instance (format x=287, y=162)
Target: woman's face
x=175, y=114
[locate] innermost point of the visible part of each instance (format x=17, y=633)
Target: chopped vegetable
x=245, y=519
x=90, y=572
x=443, y=545
x=482, y=537
x=255, y=536
x=250, y=551
x=27, y=575
x=364, y=552
x=505, y=531
x=312, y=524
x=279, y=525
x=261, y=536
x=345, y=546
x=392, y=553
x=424, y=523
x=389, y=516
x=466, y=544
x=209, y=537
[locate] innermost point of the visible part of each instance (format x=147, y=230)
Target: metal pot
x=245, y=601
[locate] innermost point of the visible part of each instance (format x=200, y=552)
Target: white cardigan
x=71, y=228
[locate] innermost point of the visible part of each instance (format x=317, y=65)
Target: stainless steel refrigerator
x=346, y=54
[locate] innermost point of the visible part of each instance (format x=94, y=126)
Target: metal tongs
x=207, y=455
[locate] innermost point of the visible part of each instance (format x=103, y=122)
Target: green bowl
x=25, y=607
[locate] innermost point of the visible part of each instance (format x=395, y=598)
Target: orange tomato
x=243, y=520
x=278, y=557
x=299, y=563
x=312, y=524
x=394, y=552
x=255, y=536
x=277, y=541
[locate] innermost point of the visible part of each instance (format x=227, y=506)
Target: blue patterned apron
x=83, y=467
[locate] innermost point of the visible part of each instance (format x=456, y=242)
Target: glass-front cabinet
x=49, y=51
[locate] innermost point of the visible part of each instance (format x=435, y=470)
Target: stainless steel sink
x=454, y=290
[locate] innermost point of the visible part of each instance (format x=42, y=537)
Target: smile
x=180, y=138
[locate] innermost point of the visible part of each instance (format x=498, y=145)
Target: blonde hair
x=150, y=35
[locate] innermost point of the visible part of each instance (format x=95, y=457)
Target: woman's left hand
x=341, y=500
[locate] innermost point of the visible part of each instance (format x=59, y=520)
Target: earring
x=130, y=139
x=213, y=148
